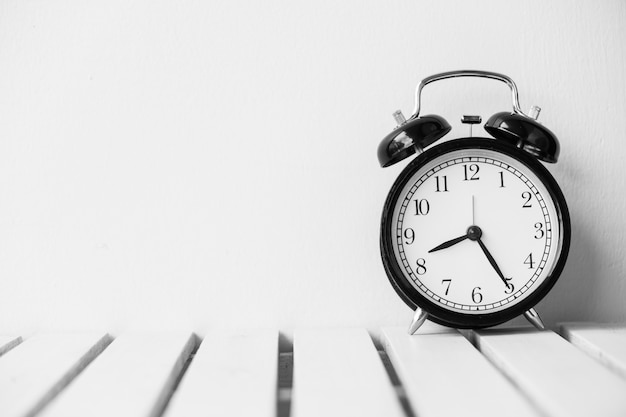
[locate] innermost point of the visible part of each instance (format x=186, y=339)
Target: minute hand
x=492, y=261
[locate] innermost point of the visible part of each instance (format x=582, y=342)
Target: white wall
x=213, y=163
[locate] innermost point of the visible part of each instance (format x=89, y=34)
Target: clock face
x=475, y=231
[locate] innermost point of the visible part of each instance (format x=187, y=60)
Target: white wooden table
x=579, y=371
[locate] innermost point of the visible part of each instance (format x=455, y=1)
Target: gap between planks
x=8, y=342
x=284, y=373
x=284, y=388
x=35, y=372
x=285, y=376
x=51, y=400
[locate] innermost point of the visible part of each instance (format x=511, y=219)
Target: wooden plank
x=339, y=373
x=444, y=375
x=559, y=378
x=8, y=342
x=32, y=373
x=232, y=374
x=135, y=377
x=605, y=343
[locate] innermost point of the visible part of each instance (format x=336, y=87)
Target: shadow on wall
x=574, y=297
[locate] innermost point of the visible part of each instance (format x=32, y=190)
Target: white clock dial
x=514, y=231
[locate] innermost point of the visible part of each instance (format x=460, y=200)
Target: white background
x=208, y=164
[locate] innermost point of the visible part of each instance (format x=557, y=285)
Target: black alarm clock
x=475, y=231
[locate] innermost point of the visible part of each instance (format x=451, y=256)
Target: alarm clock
x=475, y=231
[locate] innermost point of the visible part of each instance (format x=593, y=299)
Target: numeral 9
x=409, y=235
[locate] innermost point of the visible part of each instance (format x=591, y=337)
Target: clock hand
x=473, y=233
x=492, y=261
x=473, y=222
x=449, y=243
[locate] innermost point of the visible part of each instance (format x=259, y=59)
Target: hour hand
x=449, y=243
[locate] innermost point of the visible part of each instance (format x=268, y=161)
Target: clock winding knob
x=534, y=111
x=399, y=117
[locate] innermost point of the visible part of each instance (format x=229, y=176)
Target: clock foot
x=418, y=319
x=532, y=316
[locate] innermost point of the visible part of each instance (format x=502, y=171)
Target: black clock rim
x=435, y=312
